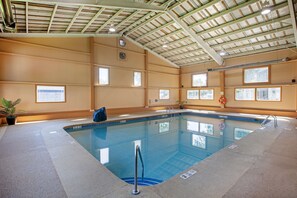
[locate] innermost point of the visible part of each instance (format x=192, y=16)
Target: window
x=245, y=94
x=206, y=128
x=137, y=79
x=256, y=75
x=192, y=126
x=45, y=93
x=240, y=133
x=193, y=94
x=206, y=94
x=199, y=141
x=164, y=94
x=199, y=80
x=269, y=94
x=164, y=127
x=103, y=76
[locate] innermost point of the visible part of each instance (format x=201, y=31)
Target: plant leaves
x=16, y=102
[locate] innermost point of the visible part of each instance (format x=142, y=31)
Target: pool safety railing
x=135, y=191
x=274, y=120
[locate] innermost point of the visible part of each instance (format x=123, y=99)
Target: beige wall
x=26, y=62
x=281, y=76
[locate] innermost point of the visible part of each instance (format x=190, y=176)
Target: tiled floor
x=42, y=160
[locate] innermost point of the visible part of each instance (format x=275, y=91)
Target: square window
x=199, y=80
x=245, y=94
x=45, y=93
x=269, y=94
x=192, y=94
x=103, y=76
x=164, y=94
x=206, y=94
x=256, y=75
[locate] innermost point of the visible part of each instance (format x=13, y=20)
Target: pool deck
x=40, y=159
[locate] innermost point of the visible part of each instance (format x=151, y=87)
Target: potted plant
x=8, y=109
x=182, y=103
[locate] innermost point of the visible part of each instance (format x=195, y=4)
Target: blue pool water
x=169, y=144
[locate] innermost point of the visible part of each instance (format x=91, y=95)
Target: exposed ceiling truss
x=195, y=31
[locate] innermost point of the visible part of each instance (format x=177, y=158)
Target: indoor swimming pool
x=169, y=144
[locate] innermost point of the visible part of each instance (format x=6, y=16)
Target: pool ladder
x=274, y=121
x=135, y=191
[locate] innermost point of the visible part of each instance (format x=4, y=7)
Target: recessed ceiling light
x=112, y=28
x=222, y=53
x=266, y=8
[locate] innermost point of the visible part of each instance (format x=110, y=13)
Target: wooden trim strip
x=44, y=83
x=45, y=46
x=46, y=58
x=171, y=67
x=118, y=67
x=119, y=48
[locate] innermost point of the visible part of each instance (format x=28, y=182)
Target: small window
x=46, y=93
x=206, y=94
x=193, y=94
x=103, y=76
x=199, y=80
x=269, y=94
x=245, y=94
x=256, y=75
x=164, y=94
x=137, y=79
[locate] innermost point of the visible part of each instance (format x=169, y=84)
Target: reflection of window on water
x=206, y=128
x=104, y=155
x=199, y=141
x=192, y=126
x=163, y=127
x=240, y=133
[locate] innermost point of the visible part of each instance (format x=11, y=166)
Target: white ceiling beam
x=113, y=4
x=200, y=42
x=74, y=18
x=93, y=19
x=52, y=18
x=109, y=21
x=142, y=19
x=293, y=18
x=222, y=13
x=276, y=7
x=152, y=52
x=155, y=30
x=45, y=35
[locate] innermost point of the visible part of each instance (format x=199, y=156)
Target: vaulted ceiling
x=194, y=31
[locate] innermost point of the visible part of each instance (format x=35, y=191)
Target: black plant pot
x=11, y=120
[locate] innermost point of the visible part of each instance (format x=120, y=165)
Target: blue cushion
x=99, y=115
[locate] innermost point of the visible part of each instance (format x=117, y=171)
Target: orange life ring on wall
x=223, y=100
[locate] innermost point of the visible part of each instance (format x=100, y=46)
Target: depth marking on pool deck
x=233, y=146
x=188, y=174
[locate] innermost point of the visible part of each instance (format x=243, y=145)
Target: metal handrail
x=135, y=191
x=274, y=120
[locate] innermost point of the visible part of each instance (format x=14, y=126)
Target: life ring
x=223, y=100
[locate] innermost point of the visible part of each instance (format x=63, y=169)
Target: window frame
x=168, y=94
x=65, y=95
x=206, y=89
x=134, y=79
x=281, y=93
x=98, y=73
x=245, y=88
x=192, y=81
x=256, y=83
